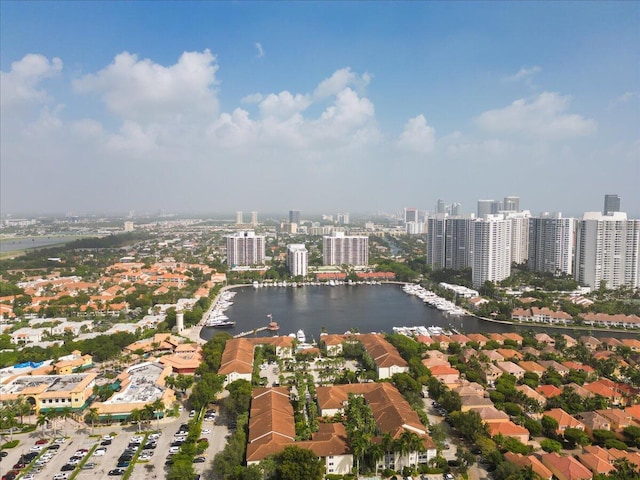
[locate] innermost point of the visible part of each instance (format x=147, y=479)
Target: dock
x=249, y=332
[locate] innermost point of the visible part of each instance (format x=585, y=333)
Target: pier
x=273, y=327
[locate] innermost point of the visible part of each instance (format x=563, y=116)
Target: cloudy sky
x=321, y=107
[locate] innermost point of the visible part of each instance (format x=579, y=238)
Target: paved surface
x=78, y=436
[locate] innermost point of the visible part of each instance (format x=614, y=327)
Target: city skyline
x=269, y=106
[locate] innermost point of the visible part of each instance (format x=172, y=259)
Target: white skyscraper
x=254, y=218
x=551, y=241
x=297, y=259
x=491, y=249
x=414, y=228
x=238, y=217
x=607, y=250
x=519, y=235
x=339, y=249
x=245, y=248
x=436, y=230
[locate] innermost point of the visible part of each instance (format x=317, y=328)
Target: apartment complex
x=551, y=243
x=245, y=248
x=297, y=259
x=607, y=250
x=491, y=249
x=436, y=228
x=341, y=249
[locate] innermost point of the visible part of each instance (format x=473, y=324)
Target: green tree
x=549, y=445
x=295, y=463
x=92, y=416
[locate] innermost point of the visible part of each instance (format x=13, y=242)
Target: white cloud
x=20, y=86
x=283, y=104
x=628, y=96
x=543, y=116
x=417, y=136
x=524, y=73
x=260, y=50
x=340, y=80
x=144, y=91
x=252, y=98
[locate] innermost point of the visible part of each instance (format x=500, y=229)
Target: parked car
x=89, y=466
x=42, y=441
x=116, y=471
x=199, y=460
x=61, y=476
x=67, y=467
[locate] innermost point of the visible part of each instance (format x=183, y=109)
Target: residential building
x=340, y=249
x=519, y=235
x=254, y=218
x=458, y=247
x=297, y=259
x=239, y=217
x=343, y=218
x=488, y=207
x=491, y=249
x=608, y=250
x=511, y=204
x=436, y=228
x=415, y=228
x=245, y=248
x=551, y=243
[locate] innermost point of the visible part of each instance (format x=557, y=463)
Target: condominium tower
x=491, y=249
x=245, y=248
x=297, y=259
x=611, y=203
x=436, y=228
x=608, y=250
x=551, y=242
x=340, y=249
x=458, y=244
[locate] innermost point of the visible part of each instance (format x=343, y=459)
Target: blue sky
x=319, y=106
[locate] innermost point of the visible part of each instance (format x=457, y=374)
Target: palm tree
x=136, y=416
x=375, y=452
x=66, y=413
x=158, y=406
x=42, y=421
x=22, y=407
x=92, y=417
x=388, y=444
x=359, y=446
x=52, y=417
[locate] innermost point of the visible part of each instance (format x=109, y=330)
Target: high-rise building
x=415, y=228
x=458, y=247
x=410, y=215
x=245, y=248
x=551, y=242
x=519, y=235
x=456, y=209
x=511, y=204
x=254, y=218
x=488, y=207
x=128, y=226
x=436, y=230
x=339, y=249
x=491, y=249
x=608, y=250
x=441, y=207
x=297, y=259
x=343, y=219
x=611, y=203
x=294, y=216
x=239, y=218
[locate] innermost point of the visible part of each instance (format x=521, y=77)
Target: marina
x=433, y=300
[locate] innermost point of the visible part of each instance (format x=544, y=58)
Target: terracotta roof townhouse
x=565, y=468
x=511, y=368
x=564, y=420
x=618, y=419
x=532, y=367
x=595, y=463
x=529, y=461
x=387, y=359
x=508, y=429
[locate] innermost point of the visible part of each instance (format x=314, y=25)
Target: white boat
x=300, y=336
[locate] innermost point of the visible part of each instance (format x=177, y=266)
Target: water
x=24, y=243
x=367, y=308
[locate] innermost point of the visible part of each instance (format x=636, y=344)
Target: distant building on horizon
x=340, y=249
x=254, y=218
x=488, y=207
x=343, y=219
x=551, y=244
x=511, y=204
x=245, y=249
x=410, y=215
x=297, y=259
x=239, y=217
x=128, y=226
x=611, y=203
x=294, y=216
x=608, y=250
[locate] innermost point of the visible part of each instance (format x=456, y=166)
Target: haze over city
x=218, y=107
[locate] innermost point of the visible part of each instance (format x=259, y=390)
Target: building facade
x=611, y=203
x=340, y=249
x=297, y=259
x=519, y=234
x=245, y=248
x=410, y=215
x=607, y=250
x=294, y=216
x=551, y=244
x=491, y=249
x=459, y=234
x=436, y=231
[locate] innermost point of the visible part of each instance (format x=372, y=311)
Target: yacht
x=300, y=336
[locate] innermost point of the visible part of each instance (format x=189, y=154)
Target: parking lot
x=85, y=440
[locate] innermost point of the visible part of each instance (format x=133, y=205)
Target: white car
x=60, y=441
x=137, y=439
x=155, y=436
x=28, y=476
x=100, y=452
x=174, y=449
x=36, y=448
x=206, y=431
x=61, y=476
x=108, y=437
